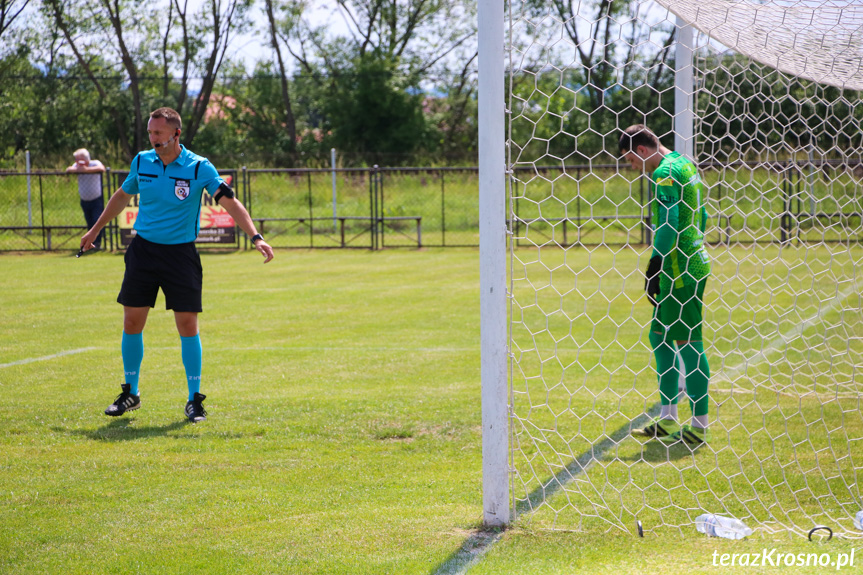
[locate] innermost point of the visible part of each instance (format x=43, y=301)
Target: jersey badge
x=181, y=189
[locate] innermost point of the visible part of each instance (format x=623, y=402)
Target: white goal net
x=765, y=98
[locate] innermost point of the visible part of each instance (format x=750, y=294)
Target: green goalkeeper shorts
x=678, y=315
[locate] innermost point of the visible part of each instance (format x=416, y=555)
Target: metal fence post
x=247, y=200
x=112, y=225
x=41, y=212
x=29, y=202
x=442, y=210
x=381, y=228
x=311, y=214
x=372, y=207
x=578, y=207
x=373, y=200
x=333, y=164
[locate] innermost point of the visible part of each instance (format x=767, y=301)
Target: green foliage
x=374, y=112
x=570, y=102
x=747, y=108
x=398, y=88
x=251, y=124
x=60, y=89
x=53, y=112
x=554, y=120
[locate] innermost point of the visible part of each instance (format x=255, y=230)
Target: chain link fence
x=367, y=208
x=379, y=207
x=42, y=212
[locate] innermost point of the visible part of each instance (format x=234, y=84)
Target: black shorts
x=174, y=268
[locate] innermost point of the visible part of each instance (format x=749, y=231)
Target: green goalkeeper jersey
x=679, y=220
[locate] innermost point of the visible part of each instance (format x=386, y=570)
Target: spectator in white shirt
x=89, y=188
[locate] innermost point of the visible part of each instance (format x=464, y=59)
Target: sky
x=254, y=46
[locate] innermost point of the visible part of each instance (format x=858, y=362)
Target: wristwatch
x=257, y=237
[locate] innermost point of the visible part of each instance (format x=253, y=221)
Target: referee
x=169, y=181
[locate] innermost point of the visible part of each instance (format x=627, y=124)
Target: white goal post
x=492, y=255
x=764, y=96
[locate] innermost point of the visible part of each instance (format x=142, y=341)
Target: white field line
x=319, y=348
x=733, y=373
x=469, y=554
x=475, y=547
x=47, y=357
x=355, y=348
x=800, y=395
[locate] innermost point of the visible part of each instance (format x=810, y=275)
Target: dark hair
x=170, y=115
x=637, y=135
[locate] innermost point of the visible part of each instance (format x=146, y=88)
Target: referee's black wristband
x=257, y=237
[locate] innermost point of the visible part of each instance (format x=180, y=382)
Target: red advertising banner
x=217, y=225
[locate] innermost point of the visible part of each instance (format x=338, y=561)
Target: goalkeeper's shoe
x=126, y=401
x=658, y=429
x=195, y=408
x=691, y=436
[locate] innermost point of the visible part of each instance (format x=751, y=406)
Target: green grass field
x=784, y=340
x=343, y=433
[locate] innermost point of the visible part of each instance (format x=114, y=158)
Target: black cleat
x=195, y=409
x=658, y=428
x=124, y=402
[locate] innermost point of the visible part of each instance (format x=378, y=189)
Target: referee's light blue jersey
x=169, y=197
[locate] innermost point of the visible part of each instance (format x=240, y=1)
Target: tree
x=373, y=113
x=223, y=18
x=401, y=82
x=84, y=34
x=555, y=102
x=9, y=11
x=458, y=133
x=393, y=53
x=199, y=51
x=750, y=111
x=11, y=49
x=290, y=121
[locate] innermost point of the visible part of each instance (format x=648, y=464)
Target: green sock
x=697, y=376
x=666, y=369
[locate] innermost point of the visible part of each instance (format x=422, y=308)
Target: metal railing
x=380, y=207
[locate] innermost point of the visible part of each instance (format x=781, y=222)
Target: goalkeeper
x=675, y=280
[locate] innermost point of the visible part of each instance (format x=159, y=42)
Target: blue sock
x=132, y=348
x=192, y=360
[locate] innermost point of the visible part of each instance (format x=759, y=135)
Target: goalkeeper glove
x=651, y=278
